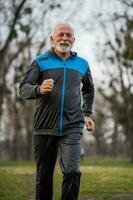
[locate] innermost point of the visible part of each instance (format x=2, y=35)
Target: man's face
x=62, y=39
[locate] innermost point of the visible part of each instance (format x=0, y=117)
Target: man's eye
x=69, y=35
x=60, y=35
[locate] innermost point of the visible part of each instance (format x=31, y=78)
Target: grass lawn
x=102, y=178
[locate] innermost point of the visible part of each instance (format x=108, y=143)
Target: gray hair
x=62, y=24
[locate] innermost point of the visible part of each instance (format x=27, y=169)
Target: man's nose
x=64, y=37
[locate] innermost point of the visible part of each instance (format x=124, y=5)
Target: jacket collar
x=52, y=53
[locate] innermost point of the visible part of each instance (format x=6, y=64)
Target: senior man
x=54, y=79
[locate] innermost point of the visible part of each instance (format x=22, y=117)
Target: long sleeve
x=87, y=93
x=29, y=87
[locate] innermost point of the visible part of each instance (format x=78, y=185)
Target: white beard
x=62, y=48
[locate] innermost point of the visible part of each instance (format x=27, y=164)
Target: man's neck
x=64, y=56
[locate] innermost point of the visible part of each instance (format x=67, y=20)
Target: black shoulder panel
x=44, y=58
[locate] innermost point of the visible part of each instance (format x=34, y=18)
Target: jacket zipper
x=62, y=100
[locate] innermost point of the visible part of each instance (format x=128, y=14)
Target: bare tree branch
x=128, y=3
x=16, y=16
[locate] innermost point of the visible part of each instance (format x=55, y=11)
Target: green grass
x=102, y=178
x=106, y=162
x=104, y=182
x=19, y=163
x=13, y=187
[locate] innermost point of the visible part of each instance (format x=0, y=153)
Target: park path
x=87, y=198
x=31, y=188
x=126, y=196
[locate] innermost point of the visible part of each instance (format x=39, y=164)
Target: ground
x=101, y=180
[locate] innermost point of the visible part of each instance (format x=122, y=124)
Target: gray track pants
x=46, y=149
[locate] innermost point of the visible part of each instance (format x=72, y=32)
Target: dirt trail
x=88, y=198
x=31, y=188
x=127, y=196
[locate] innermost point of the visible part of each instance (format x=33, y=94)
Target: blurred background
x=104, y=36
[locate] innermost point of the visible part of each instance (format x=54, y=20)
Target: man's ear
x=51, y=38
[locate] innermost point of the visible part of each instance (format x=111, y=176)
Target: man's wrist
x=37, y=90
x=88, y=115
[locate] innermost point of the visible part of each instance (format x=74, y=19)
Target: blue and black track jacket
x=59, y=112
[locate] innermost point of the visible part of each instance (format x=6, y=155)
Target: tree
x=119, y=54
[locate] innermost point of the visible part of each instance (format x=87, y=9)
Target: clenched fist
x=90, y=125
x=46, y=86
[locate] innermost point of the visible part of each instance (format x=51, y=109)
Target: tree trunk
x=114, y=140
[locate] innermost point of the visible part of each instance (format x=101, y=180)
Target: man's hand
x=90, y=125
x=46, y=86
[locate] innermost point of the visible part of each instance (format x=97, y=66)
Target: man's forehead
x=63, y=28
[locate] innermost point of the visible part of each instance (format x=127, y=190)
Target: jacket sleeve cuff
x=87, y=114
x=37, y=91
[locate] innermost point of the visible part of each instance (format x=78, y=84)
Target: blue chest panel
x=53, y=62
x=77, y=64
